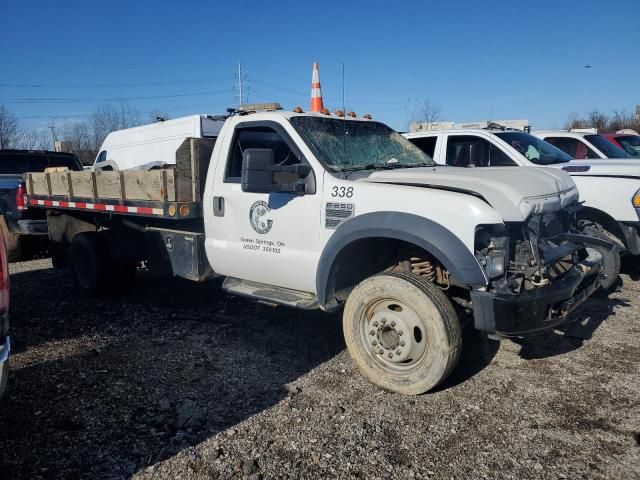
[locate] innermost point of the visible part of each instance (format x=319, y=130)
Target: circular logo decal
x=257, y=217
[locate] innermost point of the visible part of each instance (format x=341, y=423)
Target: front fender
x=427, y=234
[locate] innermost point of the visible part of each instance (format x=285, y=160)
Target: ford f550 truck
x=609, y=189
x=315, y=210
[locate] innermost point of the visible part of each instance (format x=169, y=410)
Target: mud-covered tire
x=90, y=266
x=11, y=242
x=402, y=332
x=610, y=260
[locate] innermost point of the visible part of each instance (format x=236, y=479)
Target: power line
x=112, y=99
x=332, y=99
x=115, y=85
x=86, y=115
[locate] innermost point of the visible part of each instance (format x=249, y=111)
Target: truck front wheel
x=402, y=332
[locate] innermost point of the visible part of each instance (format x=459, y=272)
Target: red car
x=629, y=142
x=5, y=343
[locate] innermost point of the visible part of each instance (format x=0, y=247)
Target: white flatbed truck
x=329, y=211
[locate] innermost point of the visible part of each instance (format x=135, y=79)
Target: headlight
x=495, y=264
x=491, y=244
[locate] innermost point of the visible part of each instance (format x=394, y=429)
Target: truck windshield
x=345, y=145
x=606, y=147
x=534, y=149
x=631, y=143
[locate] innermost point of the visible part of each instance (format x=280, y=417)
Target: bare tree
x=597, y=119
x=34, y=139
x=429, y=112
x=8, y=128
x=621, y=119
x=109, y=118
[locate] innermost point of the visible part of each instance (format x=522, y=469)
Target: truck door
x=474, y=151
x=270, y=238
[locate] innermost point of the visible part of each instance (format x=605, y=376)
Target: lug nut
x=398, y=352
x=381, y=351
x=372, y=332
x=402, y=344
x=374, y=343
x=384, y=320
x=390, y=355
x=375, y=324
x=400, y=332
x=393, y=324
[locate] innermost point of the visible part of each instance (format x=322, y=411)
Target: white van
x=153, y=145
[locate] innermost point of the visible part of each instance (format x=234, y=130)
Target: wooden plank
x=83, y=184
x=141, y=185
x=170, y=184
x=183, y=175
x=192, y=163
x=109, y=184
x=40, y=184
x=200, y=165
x=59, y=182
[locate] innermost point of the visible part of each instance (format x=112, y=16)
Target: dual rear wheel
x=96, y=272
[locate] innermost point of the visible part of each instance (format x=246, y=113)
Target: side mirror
x=258, y=169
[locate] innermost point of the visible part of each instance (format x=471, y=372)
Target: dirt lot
x=180, y=380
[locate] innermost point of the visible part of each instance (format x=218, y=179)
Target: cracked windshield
x=345, y=145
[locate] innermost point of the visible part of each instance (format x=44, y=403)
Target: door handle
x=218, y=206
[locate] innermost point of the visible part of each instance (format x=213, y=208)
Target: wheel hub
x=389, y=336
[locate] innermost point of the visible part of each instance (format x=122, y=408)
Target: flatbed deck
x=173, y=193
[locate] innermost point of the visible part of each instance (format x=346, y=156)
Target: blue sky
x=504, y=59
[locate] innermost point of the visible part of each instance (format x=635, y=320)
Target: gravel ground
x=178, y=380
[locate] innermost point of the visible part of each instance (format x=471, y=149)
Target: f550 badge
x=257, y=217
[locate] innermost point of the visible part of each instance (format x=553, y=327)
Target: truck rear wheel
x=402, y=332
x=95, y=272
x=90, y=264
x=11, y=242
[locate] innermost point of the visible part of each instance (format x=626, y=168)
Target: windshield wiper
x=381, y=166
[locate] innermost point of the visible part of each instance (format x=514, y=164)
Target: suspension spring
x=423, y=267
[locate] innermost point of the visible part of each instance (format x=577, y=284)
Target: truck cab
x=614, y=216
x=583, y=144
x=339, y=212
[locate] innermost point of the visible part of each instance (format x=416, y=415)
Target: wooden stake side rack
x=182, y=182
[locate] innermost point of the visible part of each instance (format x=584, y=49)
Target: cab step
x=270, y=293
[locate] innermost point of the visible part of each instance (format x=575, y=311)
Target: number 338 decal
x=342, y=192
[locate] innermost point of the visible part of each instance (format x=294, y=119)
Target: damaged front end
x=538, y=271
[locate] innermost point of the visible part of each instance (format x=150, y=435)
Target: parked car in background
x=629, y=142
x=609, y=189
x=24, y=227
x=583, y=145
x=5, y=342
x=154, y=145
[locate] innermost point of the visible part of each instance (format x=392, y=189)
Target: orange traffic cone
x=316, y=94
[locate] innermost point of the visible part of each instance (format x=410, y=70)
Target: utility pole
x=242, y=86
x=53, y=135
x=412, y=109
